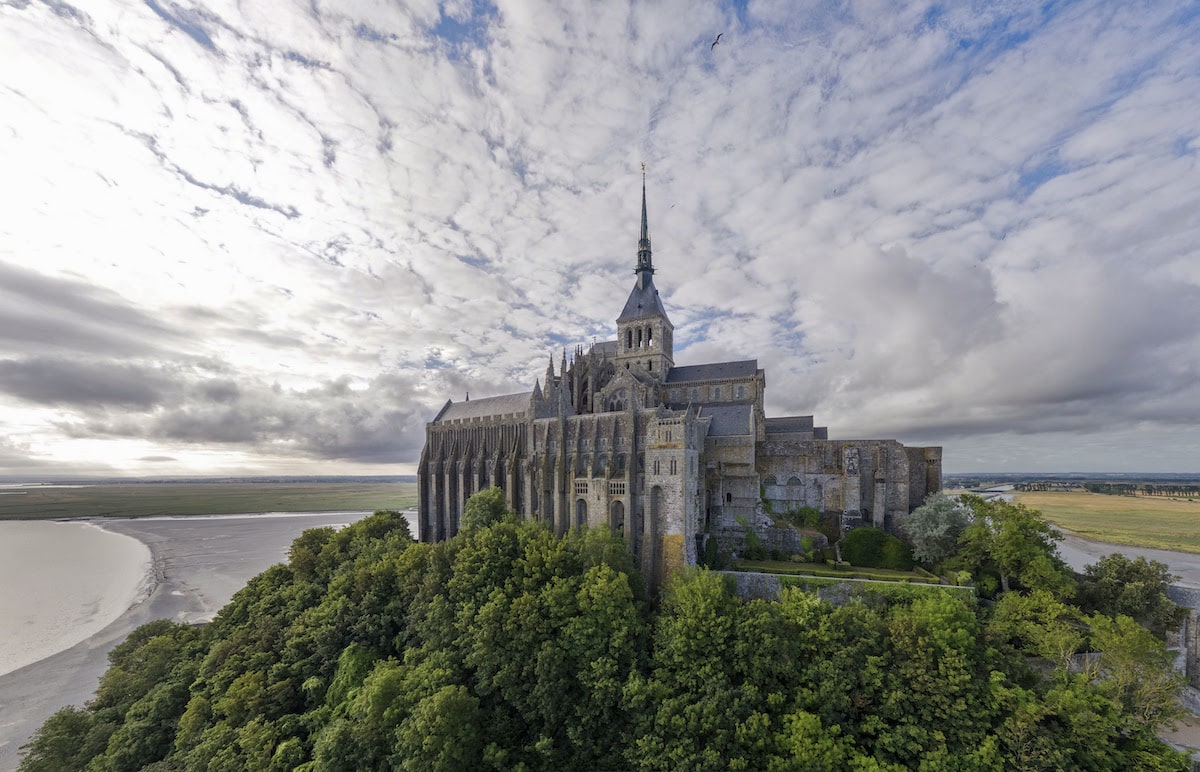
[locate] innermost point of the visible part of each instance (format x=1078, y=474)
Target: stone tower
x=645, y=336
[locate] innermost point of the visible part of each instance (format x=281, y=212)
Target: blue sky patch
x=1034, y=177
x=466, y=33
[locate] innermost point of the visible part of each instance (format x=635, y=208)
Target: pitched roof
x=607, y=347
x=745, y=368
x=727, y=420
x=791, y=423
x=486, y=407
x=643, y=302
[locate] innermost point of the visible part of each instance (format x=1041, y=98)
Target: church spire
x=645, y=266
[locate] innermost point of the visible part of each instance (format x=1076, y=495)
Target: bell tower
x=644, y=333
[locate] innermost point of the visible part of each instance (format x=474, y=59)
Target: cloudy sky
x=275, y=237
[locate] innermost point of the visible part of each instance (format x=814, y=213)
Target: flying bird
x=717, y=40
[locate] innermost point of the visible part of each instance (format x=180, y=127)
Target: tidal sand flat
x=198, y=564
x=62, y=583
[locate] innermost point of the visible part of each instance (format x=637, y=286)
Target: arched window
x=639, y=345
x=649, y=336
x=793, y=480
x=728, y=498
x=770, y=480
x=629, y=340
x=616, y=518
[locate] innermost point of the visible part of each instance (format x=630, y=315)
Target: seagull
x=717, y=40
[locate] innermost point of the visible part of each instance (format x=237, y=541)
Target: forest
x=508, y=647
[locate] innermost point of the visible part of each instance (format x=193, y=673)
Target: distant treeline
x=1145, y=489
x=1067, y=479
x=1046, y=485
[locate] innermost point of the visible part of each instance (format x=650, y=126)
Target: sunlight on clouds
x=936, y=223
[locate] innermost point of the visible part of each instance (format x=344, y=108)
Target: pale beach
x=64, y=582
x=122, y=574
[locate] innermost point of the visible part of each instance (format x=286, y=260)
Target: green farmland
x=1138, y=521
x=143, y=499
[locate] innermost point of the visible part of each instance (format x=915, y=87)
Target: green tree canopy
x=507, y=647
x=1137, y=588
x=1017, y=543
x=487, y=507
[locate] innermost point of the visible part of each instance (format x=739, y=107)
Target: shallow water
x=62, y=582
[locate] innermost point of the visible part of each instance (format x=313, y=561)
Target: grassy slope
x=1140, y=521
x=143, y=499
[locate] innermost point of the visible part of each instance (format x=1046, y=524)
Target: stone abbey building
x=666, y=455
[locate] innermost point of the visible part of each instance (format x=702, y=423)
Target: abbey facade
x=666, y=455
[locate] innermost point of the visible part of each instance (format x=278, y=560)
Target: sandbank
x=64, y=582
x=198, y=564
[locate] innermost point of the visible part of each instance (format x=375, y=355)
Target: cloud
x=67, y=382
x=377, y=422
x=295, y=231
x=39, y=312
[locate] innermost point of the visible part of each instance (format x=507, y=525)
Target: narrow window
x=649, y=336
x=656, y=466
x=629, y=340
x=639, y=337
x=650, y=366
x=741, y=393
x=728, y=498
x=716, y=393
x=673, y=469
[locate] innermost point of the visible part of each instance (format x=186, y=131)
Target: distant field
x=1139, y=521
x=215, y=498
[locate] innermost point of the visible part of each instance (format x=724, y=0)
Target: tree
x=935, y=526
x=487, y=507
x=1137, y=588
x=1136, y=671
x=1017, y=543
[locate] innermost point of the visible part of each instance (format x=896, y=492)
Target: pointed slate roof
x=643, y=302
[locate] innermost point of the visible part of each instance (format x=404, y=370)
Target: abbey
x=666, y=455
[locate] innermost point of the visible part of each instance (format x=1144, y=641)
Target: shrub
x=896, y=555
x=864, y=547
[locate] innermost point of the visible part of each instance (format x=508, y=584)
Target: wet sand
x=199, y=563
x=62, y=583
x=1079, y=553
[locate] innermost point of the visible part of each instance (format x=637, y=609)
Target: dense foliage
x=876, y=548
x=510, y=648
